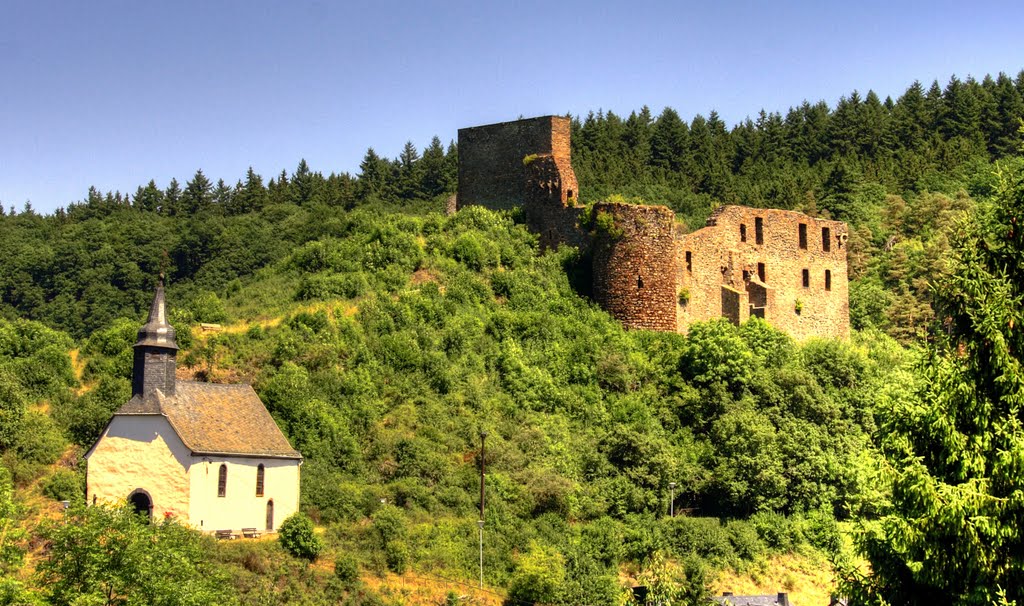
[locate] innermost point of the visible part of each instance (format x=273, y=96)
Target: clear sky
x=114, y=94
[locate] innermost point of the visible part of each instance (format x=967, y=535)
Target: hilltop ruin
x=783, y=266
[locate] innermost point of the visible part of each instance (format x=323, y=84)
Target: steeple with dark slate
x=156, y=350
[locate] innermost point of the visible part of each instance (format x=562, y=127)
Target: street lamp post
x=480, y=523
x=672, y=500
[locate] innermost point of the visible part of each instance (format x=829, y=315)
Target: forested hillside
x=385, y=337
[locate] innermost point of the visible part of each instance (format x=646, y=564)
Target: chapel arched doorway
x=141, y=503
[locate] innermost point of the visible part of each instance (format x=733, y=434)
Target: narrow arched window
x=270, y=514
x=259, y=480
x=222, y=481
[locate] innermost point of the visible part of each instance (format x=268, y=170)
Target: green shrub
x=396, y=554
x=744, y=539
x=390, y=525
x=702, y=536
x=822, y=531
x=64, y=485
x=346, y=570
x=776, y=530
x=298, y=537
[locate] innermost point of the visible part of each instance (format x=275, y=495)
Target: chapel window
x=259, y=480
x=222, y=481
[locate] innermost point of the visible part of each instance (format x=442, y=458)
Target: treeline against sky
x=891, y=168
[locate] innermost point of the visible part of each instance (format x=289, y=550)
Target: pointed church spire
x=156, y=350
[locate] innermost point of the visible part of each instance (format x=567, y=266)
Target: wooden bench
x=225, y=534
x=250, y=533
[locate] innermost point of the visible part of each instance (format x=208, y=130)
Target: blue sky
x=114, y=94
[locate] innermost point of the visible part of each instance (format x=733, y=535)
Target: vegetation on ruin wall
x=384, y=336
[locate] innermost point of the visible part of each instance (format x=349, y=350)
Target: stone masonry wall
x=634, y=265
x=547, y=209
x=746, y=262
x=727, y=253
x=491, y=168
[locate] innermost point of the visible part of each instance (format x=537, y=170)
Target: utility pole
x=480, y=523
x=672, y=500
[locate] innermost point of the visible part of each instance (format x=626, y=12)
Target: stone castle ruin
x=782, y=266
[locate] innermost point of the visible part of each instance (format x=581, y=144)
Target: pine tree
x=172, y=198
x=955, y=444
x=198, y=194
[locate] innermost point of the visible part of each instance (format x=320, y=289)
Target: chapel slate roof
x=212, y=418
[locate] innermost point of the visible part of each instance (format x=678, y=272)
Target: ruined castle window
x=222, y=481
x=760, y=272
x=828, y=279
x=826, y=239
x=746, y=275
x=759, y=230
x=639, y=283
x=743, y=232
x=803, y=235
x=689, y=261
x=807, y=278
x=568, y=194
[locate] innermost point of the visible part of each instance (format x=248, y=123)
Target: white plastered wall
x=140, y=453
x=240, y=507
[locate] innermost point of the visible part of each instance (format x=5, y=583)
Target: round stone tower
x=634, y=264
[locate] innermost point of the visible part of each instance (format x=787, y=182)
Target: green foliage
x=954, y=444
x=539, y=574
x=65, y=485
x=99, y=554
x=11, y=535
x=346, y=570
x=298, y=538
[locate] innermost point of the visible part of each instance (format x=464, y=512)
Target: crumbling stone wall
x=634, y=264
x=492, y=172
x=647, y=274
x=768, y=271
x=549, y=213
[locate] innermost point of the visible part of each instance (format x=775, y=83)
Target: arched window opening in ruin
x=807, y=278
x=222, y=481
x=259, y=480
x=746, y=276
x=826, y=239
x=803, y=235
x=568, y=194
x=759, y=230
x=743, y=232
x=828, y=279
x=639, y=283
x=689, y=261
x=141, y=503
x=760, y=272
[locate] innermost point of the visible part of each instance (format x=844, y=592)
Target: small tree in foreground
x=298, y=538
x=101, y=555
